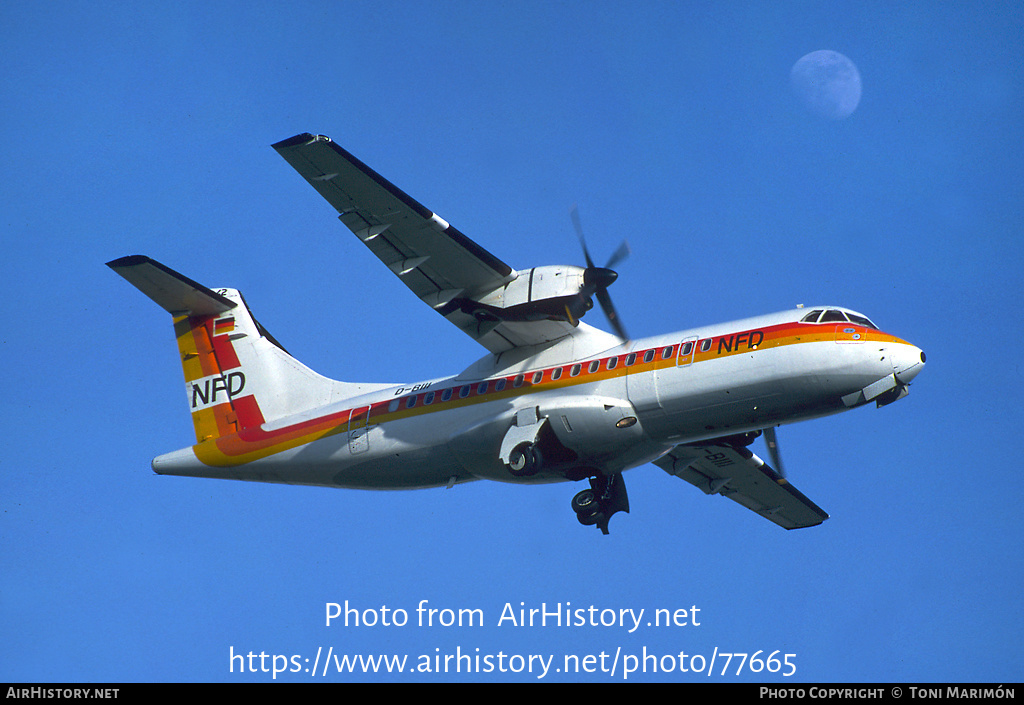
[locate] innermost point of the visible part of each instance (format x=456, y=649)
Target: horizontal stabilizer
x=174, y=292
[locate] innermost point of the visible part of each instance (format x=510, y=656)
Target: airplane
x=553, y=400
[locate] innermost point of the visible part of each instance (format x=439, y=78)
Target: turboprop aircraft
x=553, y=400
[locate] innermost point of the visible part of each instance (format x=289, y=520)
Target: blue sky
x=147, y=129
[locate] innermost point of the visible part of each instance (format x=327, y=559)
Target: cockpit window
x=860, y=320
x=832, y=315
x=836, y=316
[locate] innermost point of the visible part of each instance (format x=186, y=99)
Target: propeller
x=772, y=441
x=598, y=279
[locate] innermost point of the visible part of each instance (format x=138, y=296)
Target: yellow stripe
x=209, y=454
x=204, y=420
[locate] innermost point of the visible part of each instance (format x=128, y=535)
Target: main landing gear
x=525, y=460
x=594, y=506
x=606, y=496
x=522, y=454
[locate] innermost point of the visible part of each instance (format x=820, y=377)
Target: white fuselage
x=608, y=410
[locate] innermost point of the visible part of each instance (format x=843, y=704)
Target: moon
x=827, y=82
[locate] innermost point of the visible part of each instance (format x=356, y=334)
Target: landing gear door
x=358, y=430
x=686, y=350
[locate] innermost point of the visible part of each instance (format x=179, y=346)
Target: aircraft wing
x=438, y=263
x=741, y=476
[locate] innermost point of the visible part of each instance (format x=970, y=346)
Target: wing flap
x=743, y=477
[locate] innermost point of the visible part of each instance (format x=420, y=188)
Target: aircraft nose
x=907, y=362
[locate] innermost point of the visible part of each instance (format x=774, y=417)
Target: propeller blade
x=574, y=213
x=620, y=254
x=772, y=441
x=609, y=311
x=596, y=280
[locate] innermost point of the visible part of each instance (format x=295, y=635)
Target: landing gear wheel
x=588, y=508
x=585, y=501
x=606, y=496
x=524, y=460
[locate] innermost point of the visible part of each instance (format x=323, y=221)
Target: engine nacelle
x=542, y=293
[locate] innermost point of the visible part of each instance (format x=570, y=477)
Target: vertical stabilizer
x=236, y=375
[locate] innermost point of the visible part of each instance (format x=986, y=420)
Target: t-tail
x=237, y=376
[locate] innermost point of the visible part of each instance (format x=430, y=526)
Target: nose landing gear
x=606, y=496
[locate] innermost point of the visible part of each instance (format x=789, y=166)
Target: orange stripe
x=198, y=360
x=252, y=442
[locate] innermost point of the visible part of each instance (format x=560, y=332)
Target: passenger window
x=556, y=373
x=499, y=385
x=630, y=359
x=410, y=402
x=446, y=395
x=575, y=370
x=538, y=376
x=464, y=392
x=428, y=398
x=482, y=389
x=649, y=355
x=518, y=381
x=594, y=366
x=705, y=345
x=612, y=362
x=687, y=348
x=393, y=406
x=667, y=352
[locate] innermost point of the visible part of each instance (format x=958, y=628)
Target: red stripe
x=225, y=353
x=252, y=438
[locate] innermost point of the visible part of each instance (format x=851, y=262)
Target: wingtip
x=300, y=139
x=128, y=261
